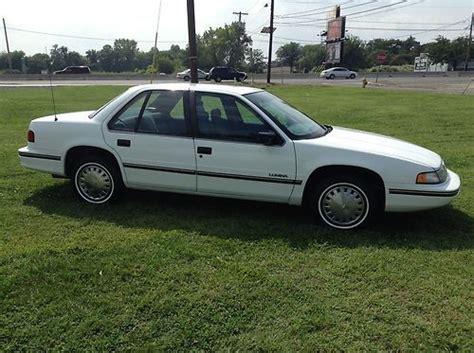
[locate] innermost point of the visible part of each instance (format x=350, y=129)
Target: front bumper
x=399, y=198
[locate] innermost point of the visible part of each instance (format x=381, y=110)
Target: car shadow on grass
x=440, y=229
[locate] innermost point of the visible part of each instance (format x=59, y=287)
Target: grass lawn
x=171, y=272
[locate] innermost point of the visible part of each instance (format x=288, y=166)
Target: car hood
x=372, y=143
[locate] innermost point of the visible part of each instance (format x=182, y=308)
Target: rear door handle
x=123, y=143
x=204, y=150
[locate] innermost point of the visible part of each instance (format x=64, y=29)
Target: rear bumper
x=401, y=199
x=43, y=162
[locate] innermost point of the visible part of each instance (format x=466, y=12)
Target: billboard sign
x=333, y=52
x=336, y=29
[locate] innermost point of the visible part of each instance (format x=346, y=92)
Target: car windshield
x=92, y=115
x=294, y=123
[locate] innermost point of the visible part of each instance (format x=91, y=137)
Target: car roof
x=205, y=87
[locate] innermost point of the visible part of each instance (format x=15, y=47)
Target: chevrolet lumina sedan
x=186, y=75
x=237, y=142
x=338, y=72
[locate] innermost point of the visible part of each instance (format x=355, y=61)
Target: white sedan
x=186, y=75
x=237, y=142
x=338, y=72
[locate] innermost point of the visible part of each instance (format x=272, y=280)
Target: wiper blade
x=328, y=129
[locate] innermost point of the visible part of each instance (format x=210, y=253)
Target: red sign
x=381, y=57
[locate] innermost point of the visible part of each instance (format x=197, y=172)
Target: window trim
x=186, y=106
x=195, y=122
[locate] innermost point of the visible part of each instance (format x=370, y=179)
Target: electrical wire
x=86, y=37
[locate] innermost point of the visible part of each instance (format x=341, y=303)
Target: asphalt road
x=441, y=84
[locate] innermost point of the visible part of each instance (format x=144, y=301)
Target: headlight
x=437, y=177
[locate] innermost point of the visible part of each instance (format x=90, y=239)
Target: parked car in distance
x=338, y=72
x=237, y=142
x=186, y=75
x=73, y=70
x=219, y=73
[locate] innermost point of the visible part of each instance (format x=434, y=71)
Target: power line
x=432, y=30
x=363, y=13
x=307, y=12
x=86, y=37
x=392, y=9
x=309, y=16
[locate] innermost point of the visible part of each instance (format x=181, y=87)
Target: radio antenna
x=52, y=91
x=155, y=48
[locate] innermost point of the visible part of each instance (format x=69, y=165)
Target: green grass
x=172, y=272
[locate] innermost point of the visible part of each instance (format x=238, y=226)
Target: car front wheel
x=344, y=202
x=187, y=78
x=332, y=77
x=352, y=76
x=97, y=180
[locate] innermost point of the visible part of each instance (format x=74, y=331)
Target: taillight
x=31, y=136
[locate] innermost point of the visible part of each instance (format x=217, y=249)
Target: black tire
x=92, y=172
x=187, y=78
x=352, y=76
x=217, y=79
x=359, y=207
x=332, y=76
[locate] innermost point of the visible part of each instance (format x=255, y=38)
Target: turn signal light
x=31, y=136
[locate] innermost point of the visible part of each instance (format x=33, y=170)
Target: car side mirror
x=268, y=138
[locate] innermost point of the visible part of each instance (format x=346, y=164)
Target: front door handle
x=123, y=143
x=204, y=150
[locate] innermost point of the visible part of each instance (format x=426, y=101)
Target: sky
x=298, y=20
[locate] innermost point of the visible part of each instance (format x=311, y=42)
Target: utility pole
x=270, y=43
x=192, y=41
x=469, y=43
x=240, y=13
x=8, y=46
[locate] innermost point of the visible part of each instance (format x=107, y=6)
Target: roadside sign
x=381, y=57
x=267, y=30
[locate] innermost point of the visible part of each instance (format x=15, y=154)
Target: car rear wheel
x=343, y=202
x=97, y=180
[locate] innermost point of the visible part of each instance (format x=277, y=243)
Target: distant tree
x=73, y=58
x=165, y=65
x=256, y=60
x=289, y=54
x=402, y=59
x=312, y=55
x=223, y=46
x=143, y=60
x=444, y=51
x=92, y=57
x=58, y=57
x=125, y=51
x=16, y=57
x=106, y=58
x=354, y=53
x=37, y=63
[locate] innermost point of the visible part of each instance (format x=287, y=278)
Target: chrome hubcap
x=94, y=182
x=343, y=205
